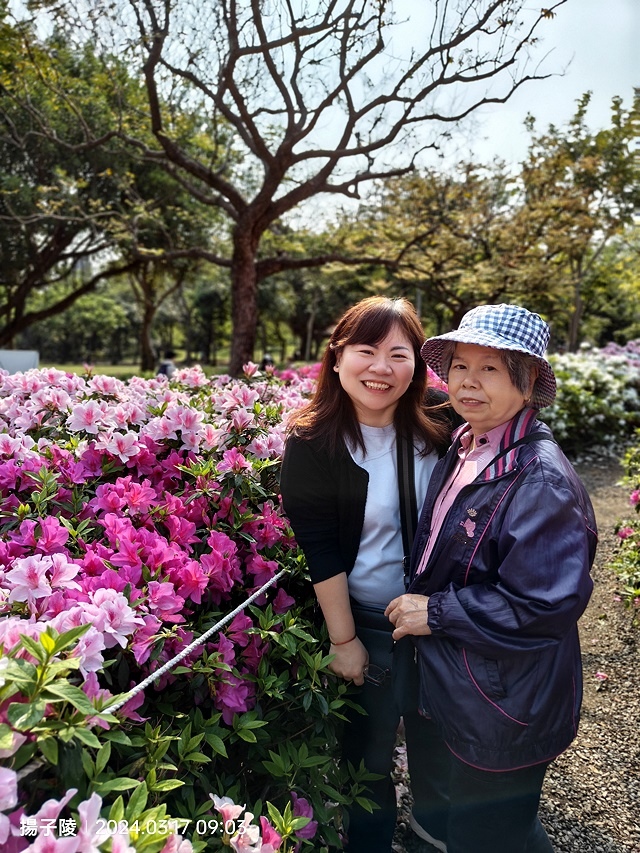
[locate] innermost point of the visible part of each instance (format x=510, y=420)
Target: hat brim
x=432, y=351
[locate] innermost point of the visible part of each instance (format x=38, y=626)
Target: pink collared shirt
x=470, y=463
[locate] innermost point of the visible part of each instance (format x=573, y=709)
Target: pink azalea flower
x=233, y=460
x=241, y=419
x=49, y=843
x=122, y=445
x=120, y=843
x=250, y=369
x=89, y=649
x=634, y=497
x=175, y=844
x=86, y=417
x=91, y=835
x=247, y=837
x=109, y=611
x=237, y=629
x=8, y=799
x=27, y=580
x=625, y=532
x=226, y=808
x=262, y=569
x=63, y=572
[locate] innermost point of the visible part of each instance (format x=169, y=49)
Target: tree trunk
x=244, y=303
x=148, y=357
x=575, y=321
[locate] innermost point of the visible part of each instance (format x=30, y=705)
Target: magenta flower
x=53, y=536
x=233, y=696
x=191, y=581
x=625, y=532
x=233, y=460
x=302, y=808
x=282, y=603
x=164, y=603
x=634, y=497
x=270, y=836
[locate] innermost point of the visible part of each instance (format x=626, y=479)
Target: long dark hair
x=331, y=416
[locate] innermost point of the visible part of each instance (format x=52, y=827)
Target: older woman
x=500, y=577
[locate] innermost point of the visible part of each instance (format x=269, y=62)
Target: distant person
x=267, y=362
x=167, y=367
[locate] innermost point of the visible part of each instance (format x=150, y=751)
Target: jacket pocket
x=487, y=680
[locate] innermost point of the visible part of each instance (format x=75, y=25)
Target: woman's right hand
x=350, y=661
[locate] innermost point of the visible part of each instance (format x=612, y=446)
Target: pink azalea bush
x=626, y=561
x=134, y=516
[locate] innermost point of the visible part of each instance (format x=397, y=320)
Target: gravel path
x=591, y=798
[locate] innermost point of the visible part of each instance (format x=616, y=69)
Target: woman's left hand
x=409, y=614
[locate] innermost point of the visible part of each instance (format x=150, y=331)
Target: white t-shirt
x=378, y=574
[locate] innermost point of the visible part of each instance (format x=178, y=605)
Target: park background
x=224, y=186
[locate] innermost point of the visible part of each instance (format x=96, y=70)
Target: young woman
x=340, y=490
x=500, y=578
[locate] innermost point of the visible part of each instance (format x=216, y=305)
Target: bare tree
x=306, y=98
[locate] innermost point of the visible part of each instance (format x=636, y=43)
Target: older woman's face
x=480, y=388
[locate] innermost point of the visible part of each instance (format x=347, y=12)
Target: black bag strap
x=527, y=439
x=407, y=493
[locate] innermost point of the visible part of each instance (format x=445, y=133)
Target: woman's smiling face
x=375, y=377
x=480, y=387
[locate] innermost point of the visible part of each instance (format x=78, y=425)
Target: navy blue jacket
x=507, y=581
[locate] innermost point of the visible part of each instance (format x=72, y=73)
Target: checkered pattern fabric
x=501, y=327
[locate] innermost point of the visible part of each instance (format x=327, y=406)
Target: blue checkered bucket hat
x=501, y=327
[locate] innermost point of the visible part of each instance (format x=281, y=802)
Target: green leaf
x=87, y=737
x=117, y=810
x=102, y=758
x=62, y=690
x=25, y=716
x=137, y=802
x=68, y=638
x=117, y=736
x=21, y=672
x=6, y=736
x=217, y=744
x=197, y=756
x=168, y=785
x=123, y=784
x=88, y=765
x=49, y=748
x=48, y=643
x=33, y=648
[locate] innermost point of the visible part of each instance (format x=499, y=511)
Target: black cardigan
x=324, y=498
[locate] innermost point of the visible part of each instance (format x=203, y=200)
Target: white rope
x=126, y=697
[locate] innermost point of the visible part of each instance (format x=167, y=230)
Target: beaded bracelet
x=344, y=642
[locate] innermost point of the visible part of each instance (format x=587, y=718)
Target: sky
x=597, y=43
